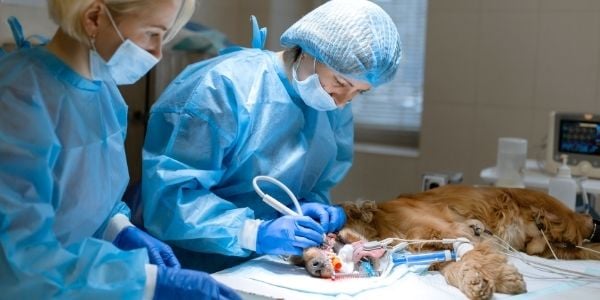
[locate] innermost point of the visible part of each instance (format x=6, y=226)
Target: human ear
x=91, y=19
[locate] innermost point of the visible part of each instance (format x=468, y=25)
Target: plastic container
x=512, y=154
x=562, y=186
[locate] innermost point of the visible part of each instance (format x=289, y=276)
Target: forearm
x=194, y=219
x=118, y=219
x=85, y=270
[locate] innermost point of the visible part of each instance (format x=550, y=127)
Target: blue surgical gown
x=219, y=124
x=62, y=174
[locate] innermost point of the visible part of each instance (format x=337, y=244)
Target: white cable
x=403, y=243
x=588, y=249
x=548, y=243
x=274, y=203
x=564, y=273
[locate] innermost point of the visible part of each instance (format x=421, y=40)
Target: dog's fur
x=514, y=215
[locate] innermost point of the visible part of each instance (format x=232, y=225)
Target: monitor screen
x=579, y=137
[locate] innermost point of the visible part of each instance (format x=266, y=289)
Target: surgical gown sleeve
x=185, y=154
x=33, y=263
x=119, y=208
x=338, y=168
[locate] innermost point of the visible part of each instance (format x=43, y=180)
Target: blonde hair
x=67, y=14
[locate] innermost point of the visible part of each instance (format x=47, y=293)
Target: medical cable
x=388, y=241
x=548, y=243
x=588, y=249
x=565, y=273
x=274, y=203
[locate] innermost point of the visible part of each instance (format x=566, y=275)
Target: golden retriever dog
x=523, y=218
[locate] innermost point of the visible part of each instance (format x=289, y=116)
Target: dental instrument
x=274, y=203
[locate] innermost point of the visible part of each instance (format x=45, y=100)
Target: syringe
x=423, y=258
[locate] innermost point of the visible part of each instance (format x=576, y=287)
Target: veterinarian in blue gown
x=252, y=112
x=62, y=162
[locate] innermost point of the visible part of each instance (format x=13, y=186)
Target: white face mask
x=311, y=91
x=127, y=65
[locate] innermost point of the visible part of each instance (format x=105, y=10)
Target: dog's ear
x=368, y=209
x=296, y=260
x=352, y=210
x=360, y=211
x=540, y=213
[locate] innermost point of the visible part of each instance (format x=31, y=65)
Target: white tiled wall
x=493, y=68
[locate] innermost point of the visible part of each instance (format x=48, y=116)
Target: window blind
x=396, y=106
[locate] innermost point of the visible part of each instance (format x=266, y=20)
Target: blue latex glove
x=331, y=218
x=159, y=253
x=288, y=235
x=188, y=284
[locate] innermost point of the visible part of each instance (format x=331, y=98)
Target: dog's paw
x=510, y=281
x=476, y=225
x=474, y=284
x=349, y=236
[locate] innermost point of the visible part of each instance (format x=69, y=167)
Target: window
x=391, y=114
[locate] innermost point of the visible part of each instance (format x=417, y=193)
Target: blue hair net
x=356, y=38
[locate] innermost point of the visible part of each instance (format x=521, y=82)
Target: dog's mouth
x=319, y=265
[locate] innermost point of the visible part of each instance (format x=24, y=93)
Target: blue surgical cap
x=356, y=38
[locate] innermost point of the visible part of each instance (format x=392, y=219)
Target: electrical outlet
x=433, y=180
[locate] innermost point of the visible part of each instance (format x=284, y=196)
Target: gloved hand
x=332, y=218
x=288, y=235
x=159, y=253
x=188, y=284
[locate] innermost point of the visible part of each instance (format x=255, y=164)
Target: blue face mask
x=311, y=91
x=127, y=65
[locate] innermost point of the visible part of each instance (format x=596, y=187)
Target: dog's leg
x=349, y=236
x=507, y=278
x=477, y=226
x=570, y=251
x=592, y=253
x=483, y=271
x=466, y=276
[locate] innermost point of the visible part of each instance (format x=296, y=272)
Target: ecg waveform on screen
x=579, y=137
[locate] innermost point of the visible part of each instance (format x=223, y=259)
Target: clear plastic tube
x=423, y=258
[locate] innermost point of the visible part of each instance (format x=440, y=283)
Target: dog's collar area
x=595, y=236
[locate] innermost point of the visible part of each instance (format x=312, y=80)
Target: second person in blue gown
x=253, y=112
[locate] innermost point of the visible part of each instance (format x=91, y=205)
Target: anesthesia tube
x=423, y=258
